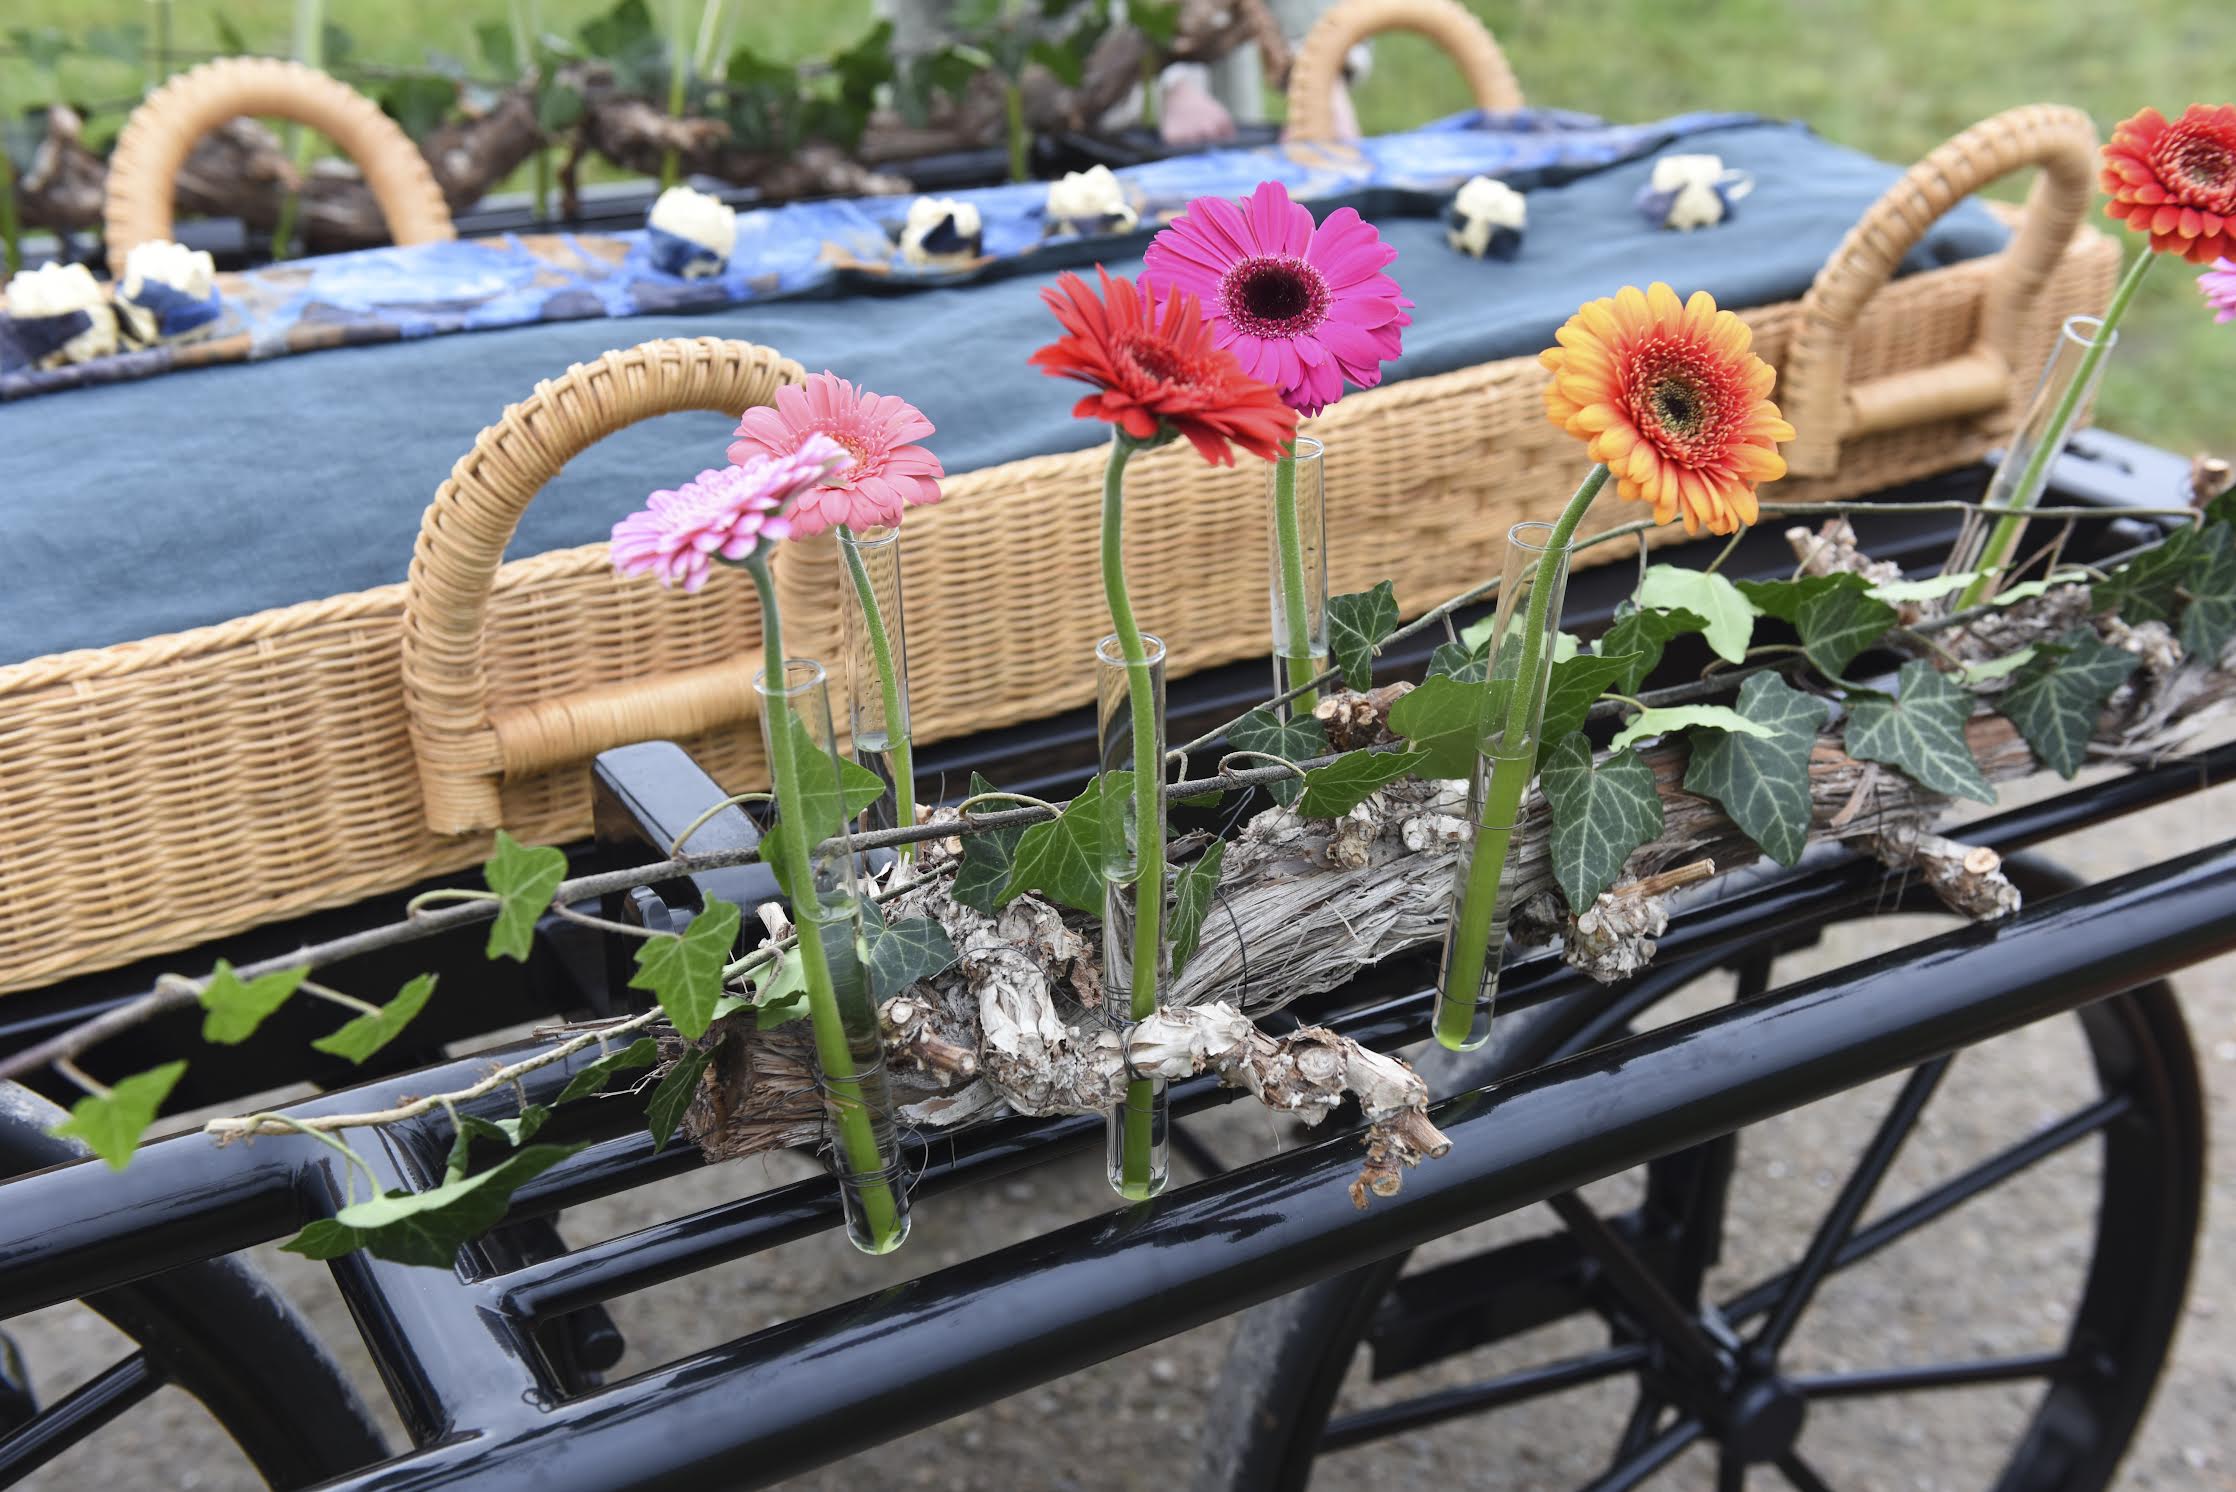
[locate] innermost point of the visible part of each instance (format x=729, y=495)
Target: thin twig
x=268, y=1124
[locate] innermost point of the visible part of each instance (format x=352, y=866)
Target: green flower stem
x=2005, y=535
x=1302, y=666
x=833, y=1054
x=1148, y=787
x=1013, y=105
x=1512, y=762
x=11, y=235
x=899, y=754
x=679, y=79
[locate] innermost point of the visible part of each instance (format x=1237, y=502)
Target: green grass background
x=1895, y=77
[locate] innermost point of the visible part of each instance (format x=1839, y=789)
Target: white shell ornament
x=1088, y=203
x=1691, y=191
x=1486, y=219
x=691, y=234
x=941, y=233
x=168, y=294
x=57, y=314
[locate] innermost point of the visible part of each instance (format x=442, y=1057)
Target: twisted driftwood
x=1304, y=904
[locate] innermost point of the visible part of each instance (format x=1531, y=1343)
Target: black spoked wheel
x=217, y=1330
x=1927, y=1304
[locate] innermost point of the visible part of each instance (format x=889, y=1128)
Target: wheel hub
x=1766, y=1419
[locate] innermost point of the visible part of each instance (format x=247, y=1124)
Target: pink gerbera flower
x=720, y=515
x=886, y=471
x=2219, y=285
x=1301, y=308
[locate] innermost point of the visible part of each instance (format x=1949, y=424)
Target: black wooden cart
x=495, y=1366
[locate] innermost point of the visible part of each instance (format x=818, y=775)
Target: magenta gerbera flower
x=723, y=514
x=1301, y=308
x=2219, y=285
x=885, y=472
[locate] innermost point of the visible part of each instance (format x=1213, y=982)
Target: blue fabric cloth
x=142, y=508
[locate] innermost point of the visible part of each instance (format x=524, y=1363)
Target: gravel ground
x=1994, y=1278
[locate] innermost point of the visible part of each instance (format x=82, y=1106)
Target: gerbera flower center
x=2202, y=165
x=1273, y=296
x=1157, y=361
x=1682, y=399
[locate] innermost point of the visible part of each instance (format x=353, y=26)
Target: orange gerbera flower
x=2176, y=183
x=1668, y=395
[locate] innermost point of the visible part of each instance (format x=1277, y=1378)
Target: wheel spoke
x=1645, y=1416
x=1658, y=1311
x=1952, y=1193
x=1929, y=1376
x=1494, y=1393
x=1839, y=1223
x=1797, y=1471
x=86, y=1409
x=1632, y=1470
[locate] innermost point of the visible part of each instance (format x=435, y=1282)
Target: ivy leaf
x=2055, y=699
x=2028, y=590
x=1670, y=719
x=1835, y=625
x=427, y=1228
x=685, y=972
x=1575, y=683
x=642, y=1052
x=236, y=1008
x=1784, y=599
x=2144, y=589
x=1357, y=623
x=1599, y=815
x=512, y=1133
x=986, y=860
x=1443, y=719
x=1641, y=635
x=1456, y=660
x=664, y=1110
x=1996, y=668
x=1192, y=891
x=1477, y=636
x=1298, y=739
x=524, y=878
x=2210, y=618
x=1062, y=858
x=1730, y=616
x=1930, y=588
x=1763, y=782
x=1343, y=784
x=111, y=1123
x=780, y=993
x=905, y=951
x=367, y=1034
x=1921, y=731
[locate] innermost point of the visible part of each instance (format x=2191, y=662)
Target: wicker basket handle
x=144, y=169
x=465, y=749
x=1814, y=391
x=1319, y=61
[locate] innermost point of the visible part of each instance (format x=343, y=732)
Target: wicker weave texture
x=162, y=793
x=144, y=168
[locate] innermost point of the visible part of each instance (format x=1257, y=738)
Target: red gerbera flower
x=2176, y=183
x=1155, y=368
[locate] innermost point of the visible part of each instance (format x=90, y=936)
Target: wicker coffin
x=161, y=793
